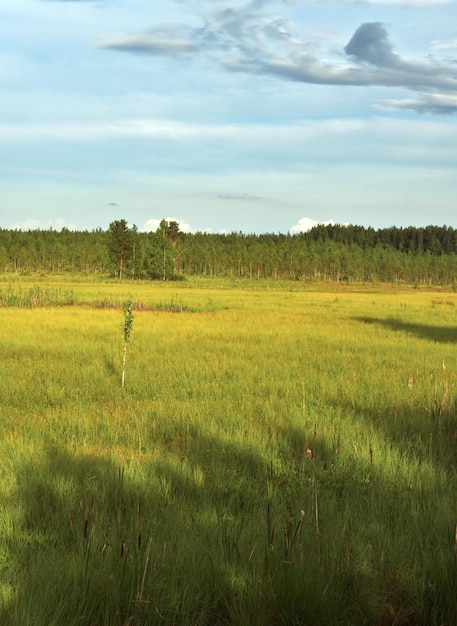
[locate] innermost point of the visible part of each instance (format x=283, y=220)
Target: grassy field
x=278, y=455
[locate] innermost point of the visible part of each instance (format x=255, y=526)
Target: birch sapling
x=127, y=329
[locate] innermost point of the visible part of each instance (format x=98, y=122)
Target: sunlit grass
x=266, y=463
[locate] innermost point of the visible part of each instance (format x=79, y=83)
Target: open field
x=277, y=455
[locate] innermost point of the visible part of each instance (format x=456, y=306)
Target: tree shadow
x=95, y=543
x=437, y=334
x=211, y=533
x=393, y=550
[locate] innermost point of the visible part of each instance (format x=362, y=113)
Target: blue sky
x=228, y=115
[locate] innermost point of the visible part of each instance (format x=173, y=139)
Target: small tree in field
x=127, y=326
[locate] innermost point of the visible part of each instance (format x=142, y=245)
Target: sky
x=259, y=116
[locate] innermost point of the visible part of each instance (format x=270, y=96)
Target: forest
x=334, y=253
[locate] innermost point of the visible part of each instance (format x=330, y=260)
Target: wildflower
x=410, y=383
x=309, y=454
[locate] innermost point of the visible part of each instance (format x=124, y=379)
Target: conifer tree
x=120, y=243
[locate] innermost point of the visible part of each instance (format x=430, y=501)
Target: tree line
x=325, y=253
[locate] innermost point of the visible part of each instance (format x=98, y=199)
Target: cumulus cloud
x=305, y=224
x=154, y=223
x=34, y=224
x=256, y=37
x=211, y=231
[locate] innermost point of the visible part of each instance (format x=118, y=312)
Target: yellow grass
x=224, y=399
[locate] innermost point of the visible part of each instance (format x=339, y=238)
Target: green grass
x=266, y=462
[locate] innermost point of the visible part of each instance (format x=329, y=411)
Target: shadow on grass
x=390, y=537
x=99, y=544
x=215, y=535
x=438, y=334
x=387, y=508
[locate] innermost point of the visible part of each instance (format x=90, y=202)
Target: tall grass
x=36, y=296
x=267, y=463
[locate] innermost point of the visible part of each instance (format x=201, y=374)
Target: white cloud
x=34, y=224
x=173, y=130
x=221, y=231
x=29, y=224
x=153, y=224
x=437, y=104
x=307, y=223
x=444, y=45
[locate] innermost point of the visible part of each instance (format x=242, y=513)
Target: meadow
x=279, y=454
